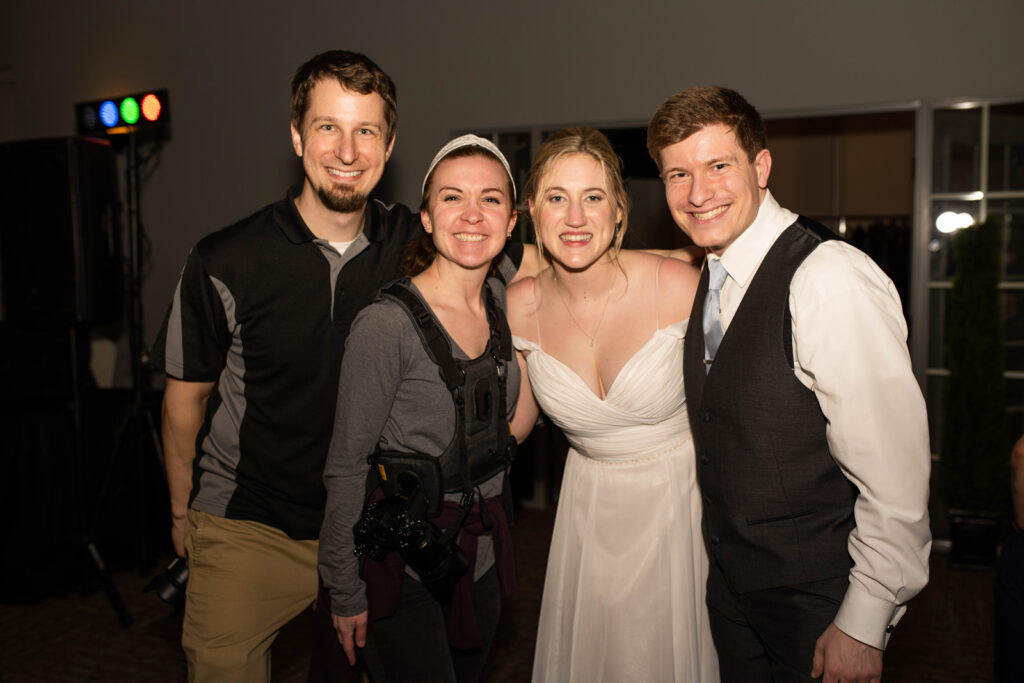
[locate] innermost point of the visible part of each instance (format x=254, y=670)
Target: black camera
x=439, y=563
x=382, y=528
x=170, y=583
x=386, y=527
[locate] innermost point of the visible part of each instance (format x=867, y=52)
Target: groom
x=811, y=433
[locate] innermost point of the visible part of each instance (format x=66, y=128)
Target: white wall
x=461, y=64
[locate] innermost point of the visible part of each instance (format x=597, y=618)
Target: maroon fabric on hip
x=384, y=578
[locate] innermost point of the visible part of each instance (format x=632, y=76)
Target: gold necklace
x=568, y=310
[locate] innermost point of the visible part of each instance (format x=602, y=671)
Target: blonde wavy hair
x=580, y=140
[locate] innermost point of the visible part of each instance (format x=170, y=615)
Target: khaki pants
x=246, y=581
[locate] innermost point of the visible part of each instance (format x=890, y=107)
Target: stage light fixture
x=108, y=114
x=146, y=112
x=130, y=111
x=151, y=107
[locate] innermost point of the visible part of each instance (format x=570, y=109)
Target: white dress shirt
x=849, y=348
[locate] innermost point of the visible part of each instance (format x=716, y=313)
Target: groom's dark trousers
x=769, y=635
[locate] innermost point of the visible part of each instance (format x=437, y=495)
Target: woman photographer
x=417, y=614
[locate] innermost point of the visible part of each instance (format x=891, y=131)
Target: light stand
x=137, y=424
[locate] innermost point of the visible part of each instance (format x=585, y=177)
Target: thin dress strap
x=657, y=284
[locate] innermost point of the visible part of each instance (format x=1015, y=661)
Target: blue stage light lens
x=108, y=113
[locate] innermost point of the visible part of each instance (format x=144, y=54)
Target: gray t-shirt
x=391, y=395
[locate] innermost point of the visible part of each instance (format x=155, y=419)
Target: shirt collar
x=296, y=230
x=374, y=223
x=289, y=220
x=744, y=255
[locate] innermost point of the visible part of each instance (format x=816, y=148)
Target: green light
x=130, y=111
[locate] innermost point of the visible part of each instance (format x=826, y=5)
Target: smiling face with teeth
x=575, y=211
x=469, y=210
x=712, y=186
x=343, y=146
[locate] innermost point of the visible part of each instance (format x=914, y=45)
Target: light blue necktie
x=712, y=322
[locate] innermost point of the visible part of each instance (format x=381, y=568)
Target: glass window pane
x=938, y=311
x=938, y=308
x=631, y=146
x=940, y=246
x=934, y=402
x=1011, y=212
x=956, y=147
x=516, y=148
x=1006, y=147
x=1013, y=304
x=1014, y=410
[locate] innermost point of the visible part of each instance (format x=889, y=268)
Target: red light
x=151, y=107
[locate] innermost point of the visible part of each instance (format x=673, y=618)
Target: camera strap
x=465, y=503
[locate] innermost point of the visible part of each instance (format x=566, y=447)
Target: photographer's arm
x=182, y=416
x=526, y=413
x=371, y=373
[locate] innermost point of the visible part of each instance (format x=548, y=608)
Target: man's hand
x=351, y=633
x=842, y=658
x=692, y=254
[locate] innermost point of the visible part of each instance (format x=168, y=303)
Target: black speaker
x=60, y=236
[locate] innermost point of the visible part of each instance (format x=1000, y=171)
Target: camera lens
x=170, y=584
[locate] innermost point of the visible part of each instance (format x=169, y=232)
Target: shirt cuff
x=348, y=605
x=866, y=618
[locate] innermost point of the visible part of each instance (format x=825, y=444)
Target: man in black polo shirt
x=252, y=346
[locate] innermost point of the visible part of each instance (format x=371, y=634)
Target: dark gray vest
x=777, y=509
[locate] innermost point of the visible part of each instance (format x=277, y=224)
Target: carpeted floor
x=945, y=637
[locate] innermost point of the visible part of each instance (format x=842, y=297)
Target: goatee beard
x=342, y=202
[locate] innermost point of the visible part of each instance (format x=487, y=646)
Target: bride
x=602, y=331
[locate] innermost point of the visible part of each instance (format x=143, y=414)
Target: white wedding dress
x=624, y=591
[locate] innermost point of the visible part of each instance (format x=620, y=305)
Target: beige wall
x=463, y=64
x=858, y=165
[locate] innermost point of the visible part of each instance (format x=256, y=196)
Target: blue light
x=108, y=113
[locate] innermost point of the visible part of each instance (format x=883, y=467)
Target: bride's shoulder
x=520, y=292
x=678, y=274
x=660, y=268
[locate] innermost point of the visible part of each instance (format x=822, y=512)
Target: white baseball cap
x=470, y=140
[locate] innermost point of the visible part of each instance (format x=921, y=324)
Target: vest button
x=715, y=540
x=707, y=501
x=707, y=416
x=705, y=460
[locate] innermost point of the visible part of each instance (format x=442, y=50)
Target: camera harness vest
x=482, y=445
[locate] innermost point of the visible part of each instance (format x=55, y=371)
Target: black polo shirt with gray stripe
x=263, y=309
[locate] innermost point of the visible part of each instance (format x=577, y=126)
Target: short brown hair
x=693, y=109
x=581, y=140
x=353, y=71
